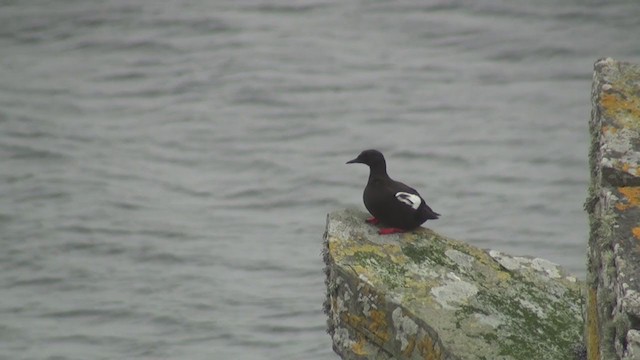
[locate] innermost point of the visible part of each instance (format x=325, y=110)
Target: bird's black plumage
x=391, y=202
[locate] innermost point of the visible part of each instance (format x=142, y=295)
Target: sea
x=166, y=167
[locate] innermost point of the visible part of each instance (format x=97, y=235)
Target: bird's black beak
x=354, y=161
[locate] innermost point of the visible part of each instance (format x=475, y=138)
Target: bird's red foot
x=387, y=231
x=373, y=221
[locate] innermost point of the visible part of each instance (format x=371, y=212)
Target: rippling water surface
x=166, y=166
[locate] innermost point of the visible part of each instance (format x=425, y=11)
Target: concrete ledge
x=613, y=306
x=420, y=295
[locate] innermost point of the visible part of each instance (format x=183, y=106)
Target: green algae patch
x=421, y=295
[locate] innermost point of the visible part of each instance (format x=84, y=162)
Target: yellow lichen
x=636, y=232
x=632, y=196
x=503, y=276
x=391, y=250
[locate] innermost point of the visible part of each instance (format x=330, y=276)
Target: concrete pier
x=420, y=295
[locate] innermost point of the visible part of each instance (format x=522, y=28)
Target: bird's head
x=369, y=157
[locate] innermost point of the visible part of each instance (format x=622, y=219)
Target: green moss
x=603, y=266
x=557, y=330
x=433, y=252
x=607, y=258
x=390, y=273
x=608, y=338
x=490, y=337
x=592, y=199
x=606, y=225
x=465, y=311
x=622, y=325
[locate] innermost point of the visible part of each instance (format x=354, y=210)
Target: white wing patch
x=410, y=199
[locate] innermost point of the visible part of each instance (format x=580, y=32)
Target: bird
x=396, y=206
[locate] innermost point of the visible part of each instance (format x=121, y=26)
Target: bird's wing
x=406, y=194
x=411, y=197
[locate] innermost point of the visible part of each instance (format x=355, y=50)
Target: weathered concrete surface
x=420, y=295
x=613, y=204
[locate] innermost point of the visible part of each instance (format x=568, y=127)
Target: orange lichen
x=411, y=344
x=353, y=321
x=358, y=346
x=627, y=167
x=378, y=325
x=632, y=197
x=428, y=350
x=636, y=232
x=615, y=104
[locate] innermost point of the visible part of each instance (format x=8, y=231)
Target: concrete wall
x=613, y=204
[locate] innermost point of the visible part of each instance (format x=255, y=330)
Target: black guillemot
x=391, y=202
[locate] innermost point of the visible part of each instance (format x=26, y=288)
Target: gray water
x=167, y=166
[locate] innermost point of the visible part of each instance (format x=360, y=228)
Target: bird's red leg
x=373, y=221
x=387, y=231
